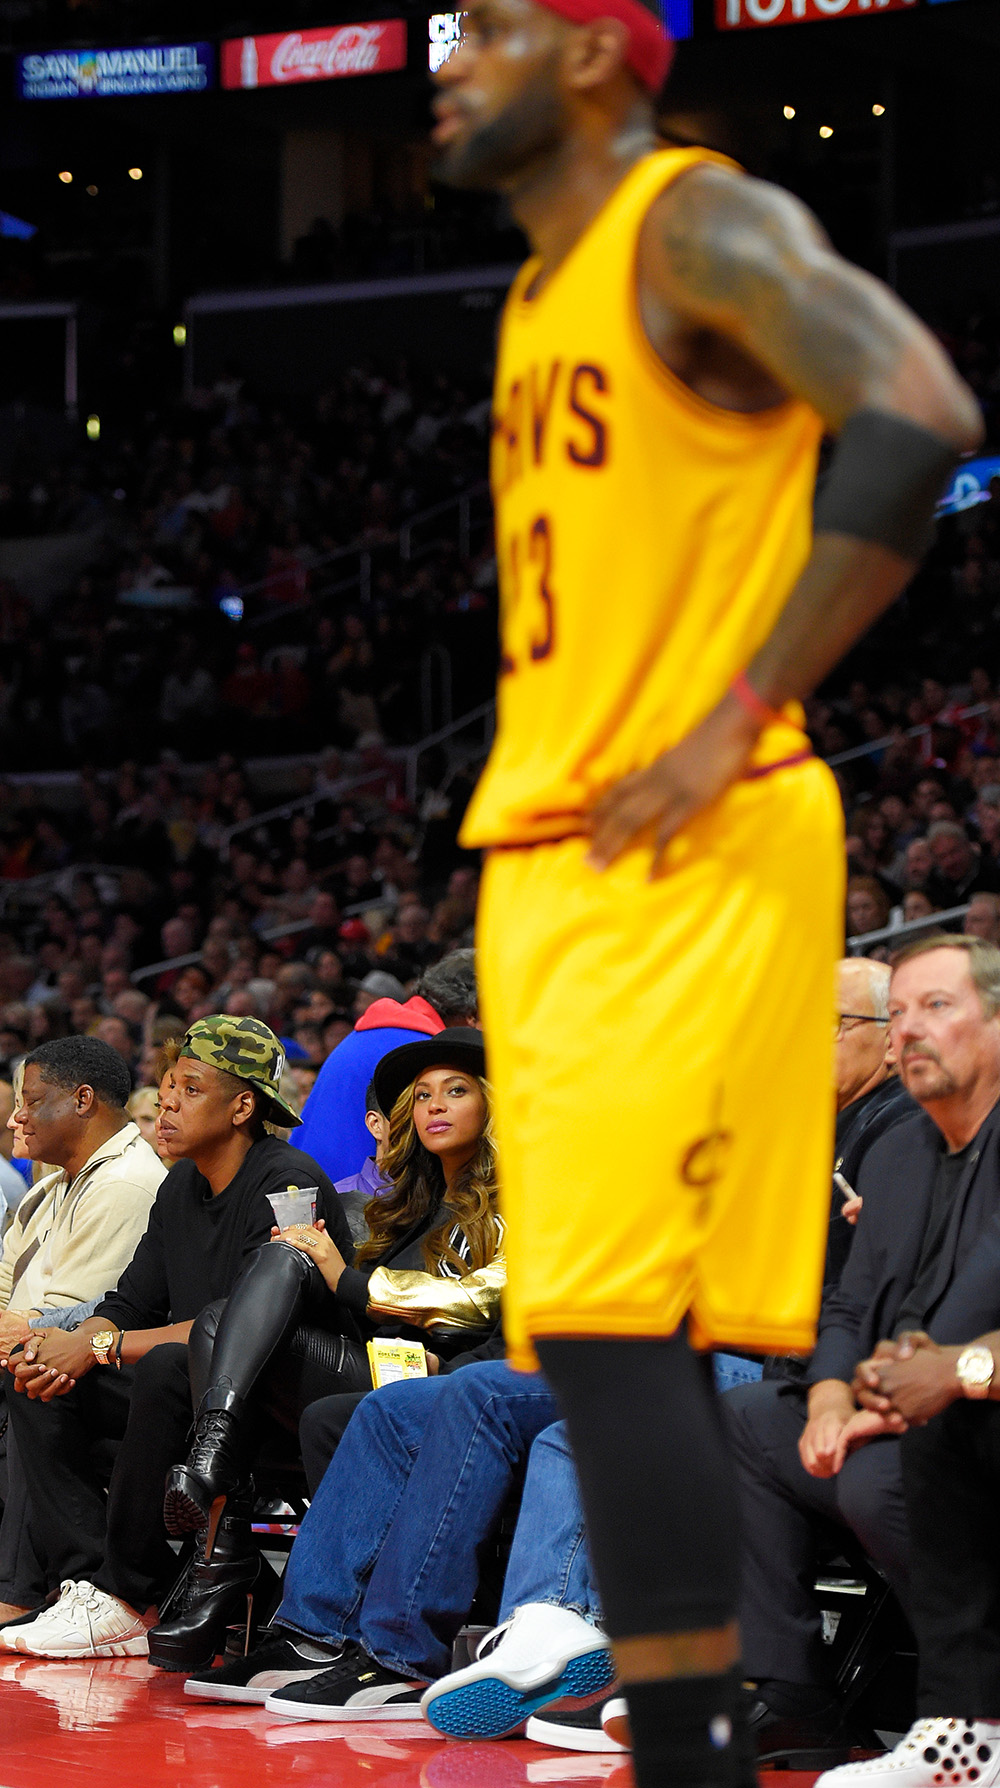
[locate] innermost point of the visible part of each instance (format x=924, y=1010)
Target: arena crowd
x=253, y=1255
x=214, y=604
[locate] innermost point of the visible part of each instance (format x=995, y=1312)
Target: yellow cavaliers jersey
x=646, y=540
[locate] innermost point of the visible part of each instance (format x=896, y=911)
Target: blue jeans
x=548, y=1559
x=387, y=1555
x=729, y=1370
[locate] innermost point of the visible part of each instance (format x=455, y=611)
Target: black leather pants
x=276, y=1341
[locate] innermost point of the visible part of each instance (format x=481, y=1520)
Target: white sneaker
x=933, y=1754
x=84, y=1623
x=542, y=1657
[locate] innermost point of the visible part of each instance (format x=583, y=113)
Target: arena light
x=92, y=190
x=135, y=173
x=825, y=130
x=93, y=428
x=878, y=111
x=789, y=111
x=66, y=177
x=180, y=335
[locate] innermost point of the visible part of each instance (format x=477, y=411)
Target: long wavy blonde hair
x=418, y=1187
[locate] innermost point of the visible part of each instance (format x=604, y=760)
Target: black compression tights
x=659, y=1498
x=656, y=1480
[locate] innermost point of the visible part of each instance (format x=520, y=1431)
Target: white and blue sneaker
x=542, y=1657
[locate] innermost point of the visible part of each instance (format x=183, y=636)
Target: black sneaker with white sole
x=572, y=1729
x=354, y=1688
x=277, y=1661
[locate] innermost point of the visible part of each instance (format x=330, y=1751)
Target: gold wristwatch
x=974, y=1370
x=100, y=1343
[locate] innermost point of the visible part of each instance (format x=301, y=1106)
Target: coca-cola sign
x=326, y=53
x=732, y=15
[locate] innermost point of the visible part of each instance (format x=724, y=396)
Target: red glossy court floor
x=122, y=1724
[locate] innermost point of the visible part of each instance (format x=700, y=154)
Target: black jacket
x=859, y=1127
x=196, y=1245
x=895, y=1182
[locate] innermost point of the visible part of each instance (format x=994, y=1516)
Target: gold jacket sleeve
x=429, y=1302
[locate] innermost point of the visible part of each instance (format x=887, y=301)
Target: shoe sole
x=183, y=1666
x=119, y=1648
x=563, y=1738
x=390, y=1711
x=205, y=1690
x=490, y=1707
x=615, y=1722
x=232, y=1692
x=183, y=1510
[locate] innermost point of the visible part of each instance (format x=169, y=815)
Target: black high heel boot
x=234, y=1584
x=196, y=1492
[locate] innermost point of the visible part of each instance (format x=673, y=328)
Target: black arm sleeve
x=884, y=482
x=141, y=1299
x=352, y=1289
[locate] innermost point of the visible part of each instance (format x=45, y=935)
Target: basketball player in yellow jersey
x=662, y=898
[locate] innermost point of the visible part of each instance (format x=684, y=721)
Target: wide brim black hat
x=458, y=1047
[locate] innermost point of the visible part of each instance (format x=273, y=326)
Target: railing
x=338, y=791
x=36, y=888
x=477, y=496
x=405, y=757
x=484, y=716
x=348, y=570
x=912, y=732
x=860, y=945
x=266, y=937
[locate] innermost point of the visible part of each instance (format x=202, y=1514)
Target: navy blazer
x=895, y=1182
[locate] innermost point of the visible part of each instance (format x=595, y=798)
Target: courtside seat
x=873, y=1651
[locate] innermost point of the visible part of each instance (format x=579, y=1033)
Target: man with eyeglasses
x=870, y=1096
x=924, y=1257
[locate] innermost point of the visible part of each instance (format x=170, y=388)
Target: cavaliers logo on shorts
x=704, y=1161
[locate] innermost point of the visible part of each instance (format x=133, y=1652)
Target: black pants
x=321, y=1431
x=951, y=1476
x=276, y=1341
x=254, y=1340
x=786, y=1515
x=117, y=1541
x=22, y=1574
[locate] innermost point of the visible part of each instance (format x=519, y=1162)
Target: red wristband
x=754, y=703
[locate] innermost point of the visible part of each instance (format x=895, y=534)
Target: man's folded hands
x=908, y=1380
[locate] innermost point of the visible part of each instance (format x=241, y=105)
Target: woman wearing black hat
x=441, y=1160
x=432, y=1267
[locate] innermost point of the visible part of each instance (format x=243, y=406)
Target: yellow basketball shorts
x=661, y=1059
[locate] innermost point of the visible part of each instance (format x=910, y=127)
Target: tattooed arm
x=733, y=262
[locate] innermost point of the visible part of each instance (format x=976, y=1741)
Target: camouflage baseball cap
x=247, y=1048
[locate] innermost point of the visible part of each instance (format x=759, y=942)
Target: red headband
x=651, y=47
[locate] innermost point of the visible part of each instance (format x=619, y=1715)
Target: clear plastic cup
x=297, y=1204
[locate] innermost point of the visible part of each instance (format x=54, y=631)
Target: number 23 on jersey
x=529, y=623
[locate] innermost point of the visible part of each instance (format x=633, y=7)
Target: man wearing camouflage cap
x=247, y=1049
x=123, y=1374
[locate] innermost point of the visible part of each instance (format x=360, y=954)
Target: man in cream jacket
x=76, y=1230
